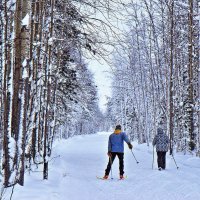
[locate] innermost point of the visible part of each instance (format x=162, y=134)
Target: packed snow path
x=78, y=160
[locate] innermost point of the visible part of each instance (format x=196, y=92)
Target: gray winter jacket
x=161, y=140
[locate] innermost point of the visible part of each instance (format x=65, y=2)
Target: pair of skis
x=101, y=178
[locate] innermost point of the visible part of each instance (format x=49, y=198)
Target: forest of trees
x=156, y=79
x=47, y=91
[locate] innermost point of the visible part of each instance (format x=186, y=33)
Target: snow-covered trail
x=72, y=175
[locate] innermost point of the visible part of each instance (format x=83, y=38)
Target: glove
x=130, y=146
x=109, y=154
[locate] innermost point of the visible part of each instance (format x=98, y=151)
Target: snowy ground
x=72, y=175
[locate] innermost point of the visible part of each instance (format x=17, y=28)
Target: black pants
x=161, y=158
x=111, y=160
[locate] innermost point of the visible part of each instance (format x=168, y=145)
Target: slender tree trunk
x=15, y=119
x=24, y=92
x=143, y=83
x=48, y=91
x=23, y=131
x=190, y=109
x=171, y=11
x=5, y=96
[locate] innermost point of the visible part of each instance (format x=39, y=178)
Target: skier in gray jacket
x=161, y=140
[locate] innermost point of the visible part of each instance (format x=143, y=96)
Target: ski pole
x=174, y=161
x=134, y=156
x=111, y=166
x=153, y=157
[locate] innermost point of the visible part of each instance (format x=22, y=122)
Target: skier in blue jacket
x=116, y=148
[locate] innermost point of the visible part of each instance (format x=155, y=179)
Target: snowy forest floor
x=77, y=161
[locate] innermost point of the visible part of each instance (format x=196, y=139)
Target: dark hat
x=118, y=127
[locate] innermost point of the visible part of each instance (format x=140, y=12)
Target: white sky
x=102, y=71
x=102, y=77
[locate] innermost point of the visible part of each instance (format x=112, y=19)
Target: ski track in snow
x=78, y=160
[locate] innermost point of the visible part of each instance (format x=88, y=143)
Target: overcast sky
x=102, y=76
x=102, y=71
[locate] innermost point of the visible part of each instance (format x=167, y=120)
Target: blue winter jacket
x=116, y=142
